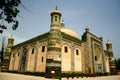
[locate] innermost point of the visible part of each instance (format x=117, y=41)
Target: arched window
x=18, y=53
x=23, y=59
x=66, y=49
x=95, y=58
x=43, y=48
x=55, y=18
x=42, y=59
x=32, y=50
x=77, y=52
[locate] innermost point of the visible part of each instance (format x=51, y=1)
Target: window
x=18, y=53
x=77, y=52
x=32, y=50
x=13, y=55
x=42, y=59
x=43, y=48
x=95, y=58
x=66, y=49
x=55, y=18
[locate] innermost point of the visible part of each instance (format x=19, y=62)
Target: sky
x=101, y=16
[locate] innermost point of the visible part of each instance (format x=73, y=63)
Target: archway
x=23, y=60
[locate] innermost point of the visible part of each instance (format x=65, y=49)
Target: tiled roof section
x=38, y=38
x=44, y=36
x=70, y=38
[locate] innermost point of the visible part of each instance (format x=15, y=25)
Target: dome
x=56, y=11
x=108, y=42
x=69, y=32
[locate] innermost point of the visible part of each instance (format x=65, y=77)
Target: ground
x=11, y=76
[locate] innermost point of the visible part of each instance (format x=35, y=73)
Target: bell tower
x=53, y=61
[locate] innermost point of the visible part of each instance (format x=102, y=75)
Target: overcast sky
x=101, y=16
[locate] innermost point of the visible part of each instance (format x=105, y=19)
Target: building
x=60, y=50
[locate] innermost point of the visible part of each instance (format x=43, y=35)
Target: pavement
x=12, y=76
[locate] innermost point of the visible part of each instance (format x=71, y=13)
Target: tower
x=10, y=42
x=110, y=57
x=109, y=46
x=53, y=62
x=6, y=61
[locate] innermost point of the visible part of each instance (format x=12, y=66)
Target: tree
x=117, y=63
x=8, y=12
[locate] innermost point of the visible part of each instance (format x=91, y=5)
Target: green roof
x=38, y=38
x=70, y=38
x=44, y=36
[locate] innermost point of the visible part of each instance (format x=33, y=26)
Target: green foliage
x=80, y=74
x=8, y=12
x=35, y=73
x=117, y=63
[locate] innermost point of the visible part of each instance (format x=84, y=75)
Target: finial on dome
x=56, y=8
x=56, y=11
x=108, y=42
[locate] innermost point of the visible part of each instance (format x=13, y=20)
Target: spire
x=56, y=8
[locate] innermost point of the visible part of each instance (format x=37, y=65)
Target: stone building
x=60, y=50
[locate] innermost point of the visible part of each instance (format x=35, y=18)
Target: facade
x=60, y=50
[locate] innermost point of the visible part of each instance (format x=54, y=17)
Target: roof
x=45, y=36
x=40, y=37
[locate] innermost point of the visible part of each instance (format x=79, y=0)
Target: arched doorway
x=23, y=60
